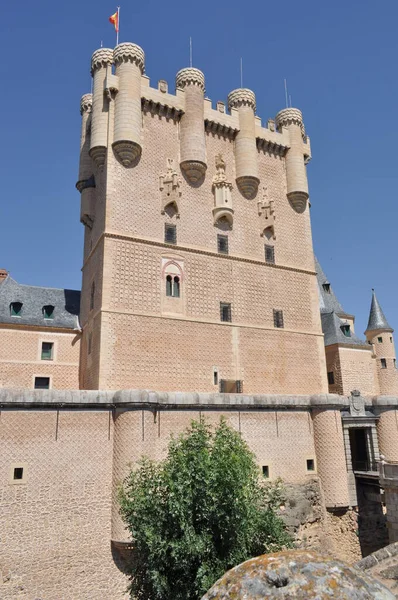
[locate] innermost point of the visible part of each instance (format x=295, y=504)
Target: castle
x=200, y=296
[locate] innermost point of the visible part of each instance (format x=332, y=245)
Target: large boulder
x=298, y=574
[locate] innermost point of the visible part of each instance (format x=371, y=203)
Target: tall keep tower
x=198, y=270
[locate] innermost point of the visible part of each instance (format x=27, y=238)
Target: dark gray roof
x=331, y=327
x=66, y=305
x=327, y=300
x=377, y=319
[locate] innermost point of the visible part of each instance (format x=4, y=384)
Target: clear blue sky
x=340, y=62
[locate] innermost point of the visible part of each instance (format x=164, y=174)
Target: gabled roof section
x=377, y=319
x=66, y=305
x=334, y=334
x=327, y=299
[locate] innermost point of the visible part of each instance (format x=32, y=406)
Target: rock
x=298, y=574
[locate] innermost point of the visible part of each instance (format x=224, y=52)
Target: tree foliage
x=197, y=514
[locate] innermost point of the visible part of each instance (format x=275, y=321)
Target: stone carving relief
x=266, y=210
x=222, y=193
x=357, y=404
x=170, y=188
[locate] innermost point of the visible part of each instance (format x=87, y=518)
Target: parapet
x=101, y=58
x=289, y=116
x=190, y=76
x=128, y=52
x=86, y=103
x=241, y=97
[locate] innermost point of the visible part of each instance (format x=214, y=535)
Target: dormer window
x=346, y=329
x=16, y=309
x=48, y=311
x=326, y=287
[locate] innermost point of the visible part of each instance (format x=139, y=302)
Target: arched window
x=92, y=294
x=176, y=287
x=169, y=285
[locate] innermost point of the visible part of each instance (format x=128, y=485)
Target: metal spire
x=377, y=319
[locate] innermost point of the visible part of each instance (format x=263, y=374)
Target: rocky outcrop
x=299, y=574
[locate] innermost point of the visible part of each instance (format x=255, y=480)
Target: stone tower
x=198, y=269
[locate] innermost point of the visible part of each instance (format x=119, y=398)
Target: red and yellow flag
x=114, y=19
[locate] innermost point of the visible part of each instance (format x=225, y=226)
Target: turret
x=192, y=130
x=85, y=183
x=379, y=334
x=129, y=60
x=296, y=172
x=100, y=62
x=246, y=159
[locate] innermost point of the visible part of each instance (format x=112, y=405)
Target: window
x=176, y=287
x=346, y=330
x=90, y=343
x=222, y=244
x=269, y=254
x=225, y=311
x=380, y=340
x=42, y=383
x=47, y=350
x=278, y=318
x=173, y=286
x=16, y=309
x=331, y=378
x=266, y=471
x=18, y=473
x=383, y=363
x=48, y=311
x=170, y=233
x=215, y=377
x=231, y=386
x=310, y=464
x=390, y=338
x=326, y=287
x=92, y=295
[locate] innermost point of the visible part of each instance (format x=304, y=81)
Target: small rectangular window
x=42, y=383
x=47, y=350
x=331, y=378
x=18, y=473
x=278, y=318
x=266, y=471
x=170, y=233
x=269, y=254
x=225, y=311
x=310, y=464
x=380, y=340
x=215, y=377
x=383, y=363
x=222, y=244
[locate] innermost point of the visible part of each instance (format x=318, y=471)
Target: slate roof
x=331, y=327
x=327, y=300
x=66, y=305
x=377, y=319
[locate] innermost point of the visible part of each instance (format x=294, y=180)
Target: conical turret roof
x=377, y=319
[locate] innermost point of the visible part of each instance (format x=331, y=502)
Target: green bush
x=196, y=514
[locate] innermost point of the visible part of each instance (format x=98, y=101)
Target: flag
x=114, y=19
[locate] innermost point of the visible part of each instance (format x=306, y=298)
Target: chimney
x=3, y=275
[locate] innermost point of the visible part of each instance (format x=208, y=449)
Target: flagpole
x=118, y=24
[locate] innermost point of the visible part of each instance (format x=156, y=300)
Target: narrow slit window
x=176, y=287
x=225, y=311
x=48, y=311
x=92, y=295
x=278, y=318
x=383, y=363
x=47, y=350
x=16, y=309
x=266, y=471
x=215, y=377
x=331, y=378
x=169, y=285
x=42, y=383
x=222, y=244
x=90, y=343
x=269, y=254
x=170, y=233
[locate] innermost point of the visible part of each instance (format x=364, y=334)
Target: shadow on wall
x=372, y=522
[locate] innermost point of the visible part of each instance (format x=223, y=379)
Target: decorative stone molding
x=222, y=193
x=163, y=110
x=85, y=183
x=195, y=170
x=127, y=152
x=289, y=116
x=357, y=404
x=220, y=129
x=298, y=200
x=98, y=154
x=170, y=187
x=86, y=103
x=266, y=209
x=241, y=97
x=271, y=147
x=190, y=76
x=248, y=186
x=101, y=58
x=128, y=52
